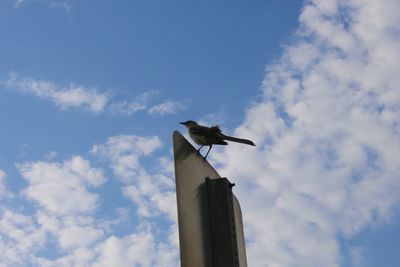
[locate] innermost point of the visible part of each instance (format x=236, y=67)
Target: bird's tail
x=238, y=140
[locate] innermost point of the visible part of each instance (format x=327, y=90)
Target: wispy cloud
x=129, y=107
x=78, y=96
x=146, y=102
x=50, y=155
x=358, y=257
x=61, y=4
x=327, y=133
x=166, y=107
x=3, y=189
x=64, y=97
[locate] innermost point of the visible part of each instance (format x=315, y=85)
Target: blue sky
x=90, y=92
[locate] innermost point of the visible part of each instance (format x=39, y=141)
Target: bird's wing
x=216, y=129
x=205, y=131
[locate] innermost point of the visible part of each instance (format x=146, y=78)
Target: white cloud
x=62, y=188
x=71, y=231
x=62, y=217
x=166, y=107
x=88, y=241
x=327, y=132
x=67, y=223
x=152, y=193
x=20, y=237
x=152, y=198
x=124, y=151
x=67, y=97
x=3, y=189
x=138, y=249
x=78, y=236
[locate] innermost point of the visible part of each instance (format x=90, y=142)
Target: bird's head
x=189, y=123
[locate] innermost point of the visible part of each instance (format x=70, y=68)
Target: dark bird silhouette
x=209, y=136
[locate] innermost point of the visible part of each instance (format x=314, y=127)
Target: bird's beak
x=182, y=123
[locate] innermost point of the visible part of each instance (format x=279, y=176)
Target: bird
x=209, y=136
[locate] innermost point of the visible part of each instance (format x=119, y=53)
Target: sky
x=91, y=91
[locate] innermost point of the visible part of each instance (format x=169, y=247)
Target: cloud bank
x=328, y=136
x=67, y=226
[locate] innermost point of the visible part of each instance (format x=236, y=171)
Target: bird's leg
x=208, y=152
x=198, y=150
